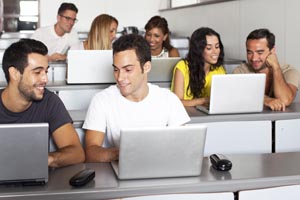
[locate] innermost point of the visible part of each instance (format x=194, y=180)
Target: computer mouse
x=220, y=162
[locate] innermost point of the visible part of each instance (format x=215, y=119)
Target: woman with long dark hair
x=192, y=75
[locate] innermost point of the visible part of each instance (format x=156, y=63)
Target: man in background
x=61, y=36
x=281, y=81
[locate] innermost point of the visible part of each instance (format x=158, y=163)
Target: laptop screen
x=90, y=66
x=24, y=152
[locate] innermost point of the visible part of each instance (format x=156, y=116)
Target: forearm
x=99, y=154
x=281, y=89
x=195, y=102
x=66, y=156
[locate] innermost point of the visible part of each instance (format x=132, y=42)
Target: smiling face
x=32, y=82
x=212, y=50
x=155, y=38
x=66, y=21
x=257, y=53
x=130, y=78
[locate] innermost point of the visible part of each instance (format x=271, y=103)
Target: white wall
x=235, y=19
x=128, y=12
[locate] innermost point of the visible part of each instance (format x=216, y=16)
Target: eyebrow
x=39, y=67
x=129, y=65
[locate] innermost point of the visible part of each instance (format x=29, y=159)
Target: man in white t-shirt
x=61, y=36
x=132, y=102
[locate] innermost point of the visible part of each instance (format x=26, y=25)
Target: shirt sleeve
x=178, y=115
x=95, y=117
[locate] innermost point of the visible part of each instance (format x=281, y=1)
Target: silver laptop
x=236, y=93
x=162, y=69
x=159, y=152
x=89, y=67
x=24, y=153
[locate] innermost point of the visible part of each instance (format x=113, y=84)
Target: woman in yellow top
x=192, y=76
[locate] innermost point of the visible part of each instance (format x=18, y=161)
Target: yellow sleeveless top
x=183, y=67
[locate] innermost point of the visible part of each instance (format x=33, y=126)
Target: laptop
x=236, y=93
x=24, y=153
x=90, y=67
x=162, y=69
x=159, y=152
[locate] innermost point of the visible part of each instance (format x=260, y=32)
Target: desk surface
x=292, y=112
x=248, y=172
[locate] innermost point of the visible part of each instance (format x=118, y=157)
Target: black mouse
x=220, y=162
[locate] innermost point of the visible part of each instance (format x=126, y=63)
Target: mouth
x=215, y=57
x=40, y=88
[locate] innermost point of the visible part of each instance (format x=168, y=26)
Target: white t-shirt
x=55, y=43
x=109, y=112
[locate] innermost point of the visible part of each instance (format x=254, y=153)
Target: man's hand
x=57, y=57
x=272, y=61
x=274, y=104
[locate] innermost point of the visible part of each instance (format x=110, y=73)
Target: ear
x=14, y=74
x=147, y=67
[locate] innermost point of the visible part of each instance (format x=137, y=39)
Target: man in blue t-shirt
x=26, y=100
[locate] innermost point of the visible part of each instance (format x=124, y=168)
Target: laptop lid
x=236, y=93
x=24, y=153
x=162, y=69
x=158, y=152
x=90, y=66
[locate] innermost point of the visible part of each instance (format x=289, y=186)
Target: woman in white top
x=157, y=35
x=102, y=33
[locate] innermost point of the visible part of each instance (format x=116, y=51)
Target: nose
x=120, y=76
x=45, y=77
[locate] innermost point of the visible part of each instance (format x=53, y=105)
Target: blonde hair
x=98, y=38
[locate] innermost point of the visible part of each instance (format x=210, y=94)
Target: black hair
x=16, y=55
x=67, y=6
x=196, y=60
x=263, y=33
x=134, y=42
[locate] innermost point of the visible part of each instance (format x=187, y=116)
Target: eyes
x=258, y=52
x=210, y=47
x=40, y=71
x=126, y=69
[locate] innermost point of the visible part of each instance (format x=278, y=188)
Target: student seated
x=26, y=100
x=101, y=35
x=192, y=76
x=281, y=81
x=132, y=102
x=61, y=36
x=158, y=36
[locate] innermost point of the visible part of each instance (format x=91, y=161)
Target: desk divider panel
x=204, y=196
x=275, y=193
x=238, y=137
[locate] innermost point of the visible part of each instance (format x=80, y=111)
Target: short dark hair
x=134, y=42
x=16, y=55
x=67, y=6
x=262, y=33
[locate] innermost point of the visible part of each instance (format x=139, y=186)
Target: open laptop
x=236, y=93
x=24, y=153
x=162, y=69
x=159, y=152
x=90, y=67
